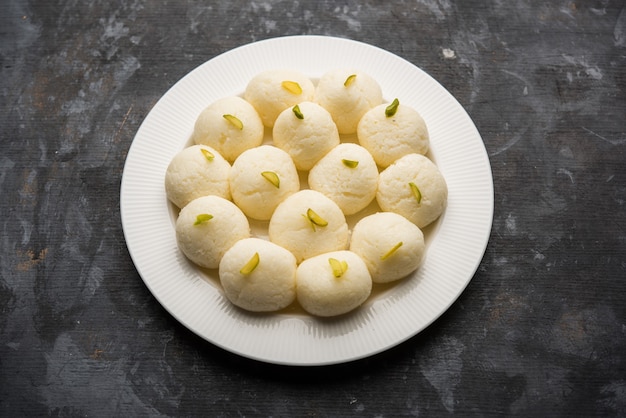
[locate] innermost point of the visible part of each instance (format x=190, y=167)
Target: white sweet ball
x=348, y=175
x=204, y=241
x=252, y=183
x=321, y=293
x=215, y=128
x=194, y=172
x=391, y=246
x=272, y=91
x=308, y=139
x=389, y=138
x=395, y=193
x=291, y=228
x=270, y=286
x=347, y=100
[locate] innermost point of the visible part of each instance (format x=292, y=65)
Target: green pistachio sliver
x=237, y=123
x=391, y=251
x=338, y=267
x=250, y=265
x=202, y=218
x=315, y=218
x=272, y=178
x=349, y=80
x=416, y=192
x=350, y=163
x=392, y=108
x=292, y=87
x=207, y=154
x=297, y=112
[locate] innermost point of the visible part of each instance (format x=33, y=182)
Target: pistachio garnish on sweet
x=272, y=177
x=297, y=112
x=202, y=218
x=207, y=154
x=391, y=251
x=315, y=218
x=236, y=122
x=250, y=265
x=292, y=87
x=338, y=267
x=392, y=108
x=349, y=80
x=350, y=163
x=416, y=192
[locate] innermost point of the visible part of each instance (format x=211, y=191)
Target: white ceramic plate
x=392, y=315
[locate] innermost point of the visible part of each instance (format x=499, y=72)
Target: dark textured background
x=540, y=330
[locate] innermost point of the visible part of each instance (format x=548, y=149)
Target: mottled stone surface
x=540, y=330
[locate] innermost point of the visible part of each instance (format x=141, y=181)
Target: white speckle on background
x=566, y=152
x=266, y=6
x=270, y=25
x=113, y=29
x=448, y=53
x=353, y=24
x=510, y=224
x=567, y=173
x=592, y=71
x=13, y=345
x=538, y=256
x=610, y=141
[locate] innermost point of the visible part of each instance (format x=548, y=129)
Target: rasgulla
x=333, y=283
x=308, y=223
x=348, y=175
x=230, y=125
x=306, y=132
x=207, y=227
x=258, y=275
x=272, y=91
x=194, y=172
x=347, y=94
x=391, y=246
x=261, y=178
x=413, y=187
x=391, y=136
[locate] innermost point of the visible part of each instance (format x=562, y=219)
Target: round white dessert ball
x=231, y=125
x=347, y=94
x=261, y=178
x=272, y=91
x=308, y=223
x=388, y=138
x=391, y=246
x=413, y=187
x=306, y=133
x=319, y=290
x=207, y=227
x=348, y=175
x=194, y=172
x=258, y=275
